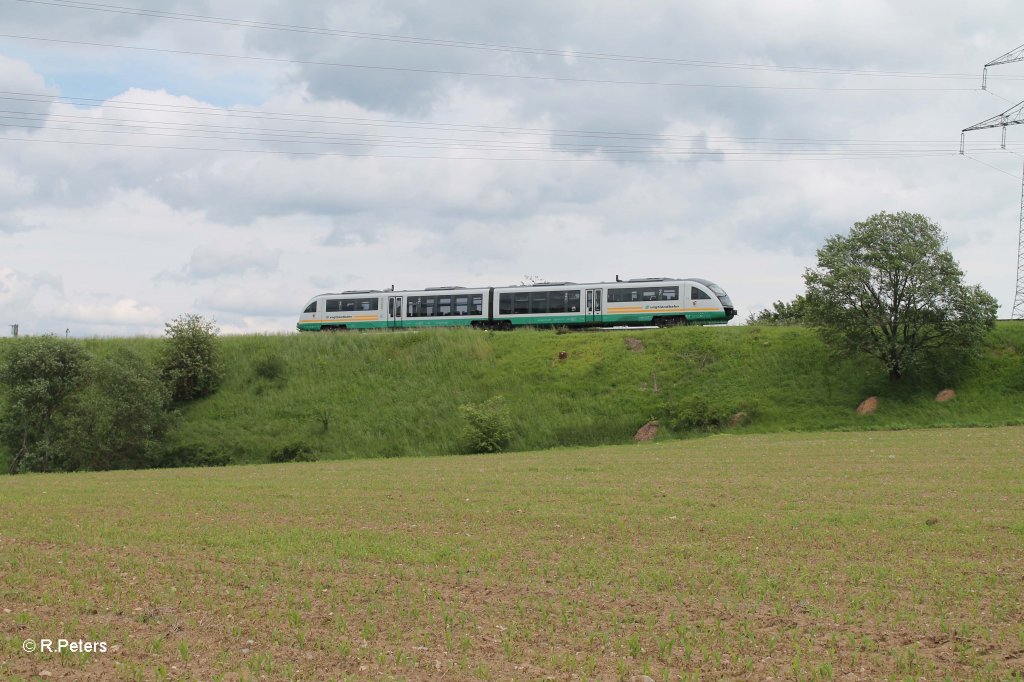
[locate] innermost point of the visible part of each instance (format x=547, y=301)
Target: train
x=653, y=301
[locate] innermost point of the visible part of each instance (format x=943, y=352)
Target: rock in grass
x=739, y=419
x=868, y=406
x=647, y=432
x=945, y=395
x=635, y=345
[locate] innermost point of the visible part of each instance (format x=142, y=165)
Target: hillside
x=379, y=394
x=398, y=394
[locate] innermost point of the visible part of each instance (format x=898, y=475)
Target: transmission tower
x=1012, y=116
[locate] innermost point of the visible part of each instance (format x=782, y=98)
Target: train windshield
x=717, y=291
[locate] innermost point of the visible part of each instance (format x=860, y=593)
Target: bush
x=41, y=376
x=296, y=452
x=119, y=417
x=270, y=367
x=698, y=414
x=192, y=456
x=69, y=410
x=488, y=425
x=191, y=358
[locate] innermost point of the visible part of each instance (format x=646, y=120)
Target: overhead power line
x=492, y=47
x=562, y=53
x=137, y=118
x=479, y=74
x=265, y=115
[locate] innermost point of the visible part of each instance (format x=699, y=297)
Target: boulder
x=739, y=419
x=868, y=406
x=647, y=432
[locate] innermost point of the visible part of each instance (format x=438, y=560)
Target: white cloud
x=213, y=262
x=122, y=312
x=117, y=196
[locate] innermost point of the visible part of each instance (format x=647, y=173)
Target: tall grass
x=398, y=394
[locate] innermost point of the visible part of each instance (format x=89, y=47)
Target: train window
x=697, y=294
x=444, y=305
x=574, y=301
x=476, y=305
x=651, y=294
x=461, y=305
x=520, y=304
x=336, y=305
x=505, y=304
x=539, y=302
x=557, y=301
x=311, y=308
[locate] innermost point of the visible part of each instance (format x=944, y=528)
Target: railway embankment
x=399, y=394
x=380, y=394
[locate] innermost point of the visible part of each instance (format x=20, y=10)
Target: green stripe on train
x=524, y=320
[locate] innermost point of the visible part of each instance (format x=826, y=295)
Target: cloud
x=214, y=262
x=123, y=311
x=251, y=302
x=166, y=176
x=18, y=290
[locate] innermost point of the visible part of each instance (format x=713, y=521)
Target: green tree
x=119, y=417
x=41, y=376
x=781, y=313
x=890, y=289
x=191, y=358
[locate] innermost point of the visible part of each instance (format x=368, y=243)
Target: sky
x=234, y=159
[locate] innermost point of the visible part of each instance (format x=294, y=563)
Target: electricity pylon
x=1012, y=116
x=1014, y=55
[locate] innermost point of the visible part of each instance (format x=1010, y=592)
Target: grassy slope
x=386, y=394
x=398, y=394
x=886, y=555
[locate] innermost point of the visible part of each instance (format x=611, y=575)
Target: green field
x=877, y=555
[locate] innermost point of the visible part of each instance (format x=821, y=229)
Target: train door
x=394, y=311
x=593, y=305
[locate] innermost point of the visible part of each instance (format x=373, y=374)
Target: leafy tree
x=119, y=417
x=891, y=290
x=69, y=410
x=41, y=376
x=191, y=357
x=782, y=313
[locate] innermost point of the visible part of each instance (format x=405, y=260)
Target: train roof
x=637, y=280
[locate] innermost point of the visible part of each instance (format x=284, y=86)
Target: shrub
x=119, y=417
x=296, y=452
x=270, y=367
x=192, y=456
x=191, y=357
x=69, y=410
x=698, y=414
x=488, y=425
x=41, y=376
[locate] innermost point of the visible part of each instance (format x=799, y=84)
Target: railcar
x=651, y=301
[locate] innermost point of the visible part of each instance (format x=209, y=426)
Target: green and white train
x=635, y=302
